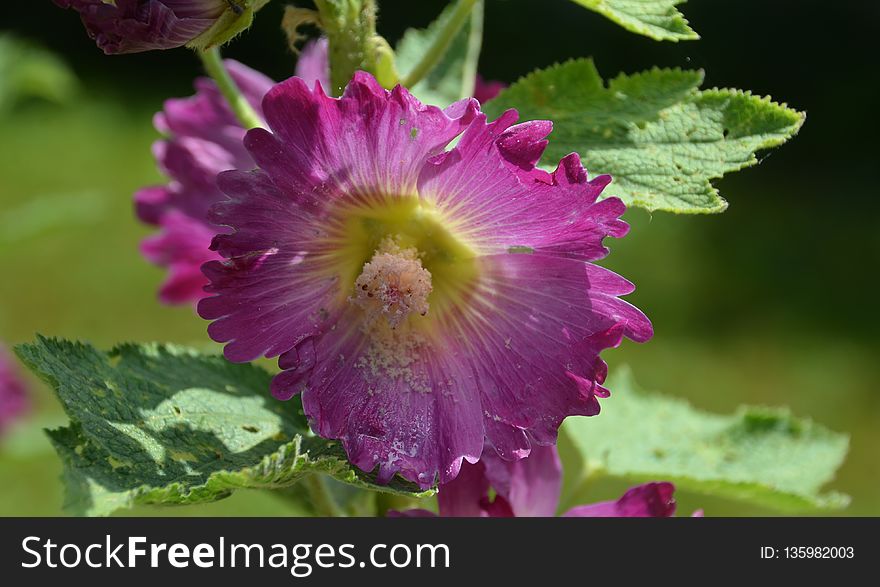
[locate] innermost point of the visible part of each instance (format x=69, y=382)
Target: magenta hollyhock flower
x=531, y=487
x=203, y=138
x=13, y=392
x=132, y=26
x=421, y=299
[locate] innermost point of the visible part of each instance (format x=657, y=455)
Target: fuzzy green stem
x=245, y=113
x=319, y=493
x=349, y=26
x=441, y=44
x=474, y=46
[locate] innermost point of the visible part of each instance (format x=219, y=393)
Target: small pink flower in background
x=313, y=64
x=14, y=402
x=486, y=90
x=531, y=487
x=651, y=500
x=202, y=138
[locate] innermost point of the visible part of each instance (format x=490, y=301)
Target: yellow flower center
x=399, y=261
x=397, y=257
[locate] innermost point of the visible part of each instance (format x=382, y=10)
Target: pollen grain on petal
x=395, y=354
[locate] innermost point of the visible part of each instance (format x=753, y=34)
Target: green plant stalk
x=435, y=53
x=474, y=46
x=350, y=26
x=213, y=63
x=319, y=494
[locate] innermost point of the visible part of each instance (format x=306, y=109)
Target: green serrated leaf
x=654, y=132
x=759, y=455
x=454, y=76
x=162, y=424
x=658, y=19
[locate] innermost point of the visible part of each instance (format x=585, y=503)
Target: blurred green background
x=772, y=302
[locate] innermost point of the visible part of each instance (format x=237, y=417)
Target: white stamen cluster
x=393, y=285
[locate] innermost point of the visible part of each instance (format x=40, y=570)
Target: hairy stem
x=213, y=63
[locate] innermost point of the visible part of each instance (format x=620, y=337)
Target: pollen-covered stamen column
x=393, y=285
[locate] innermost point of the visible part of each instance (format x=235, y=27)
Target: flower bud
x=133, y=26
